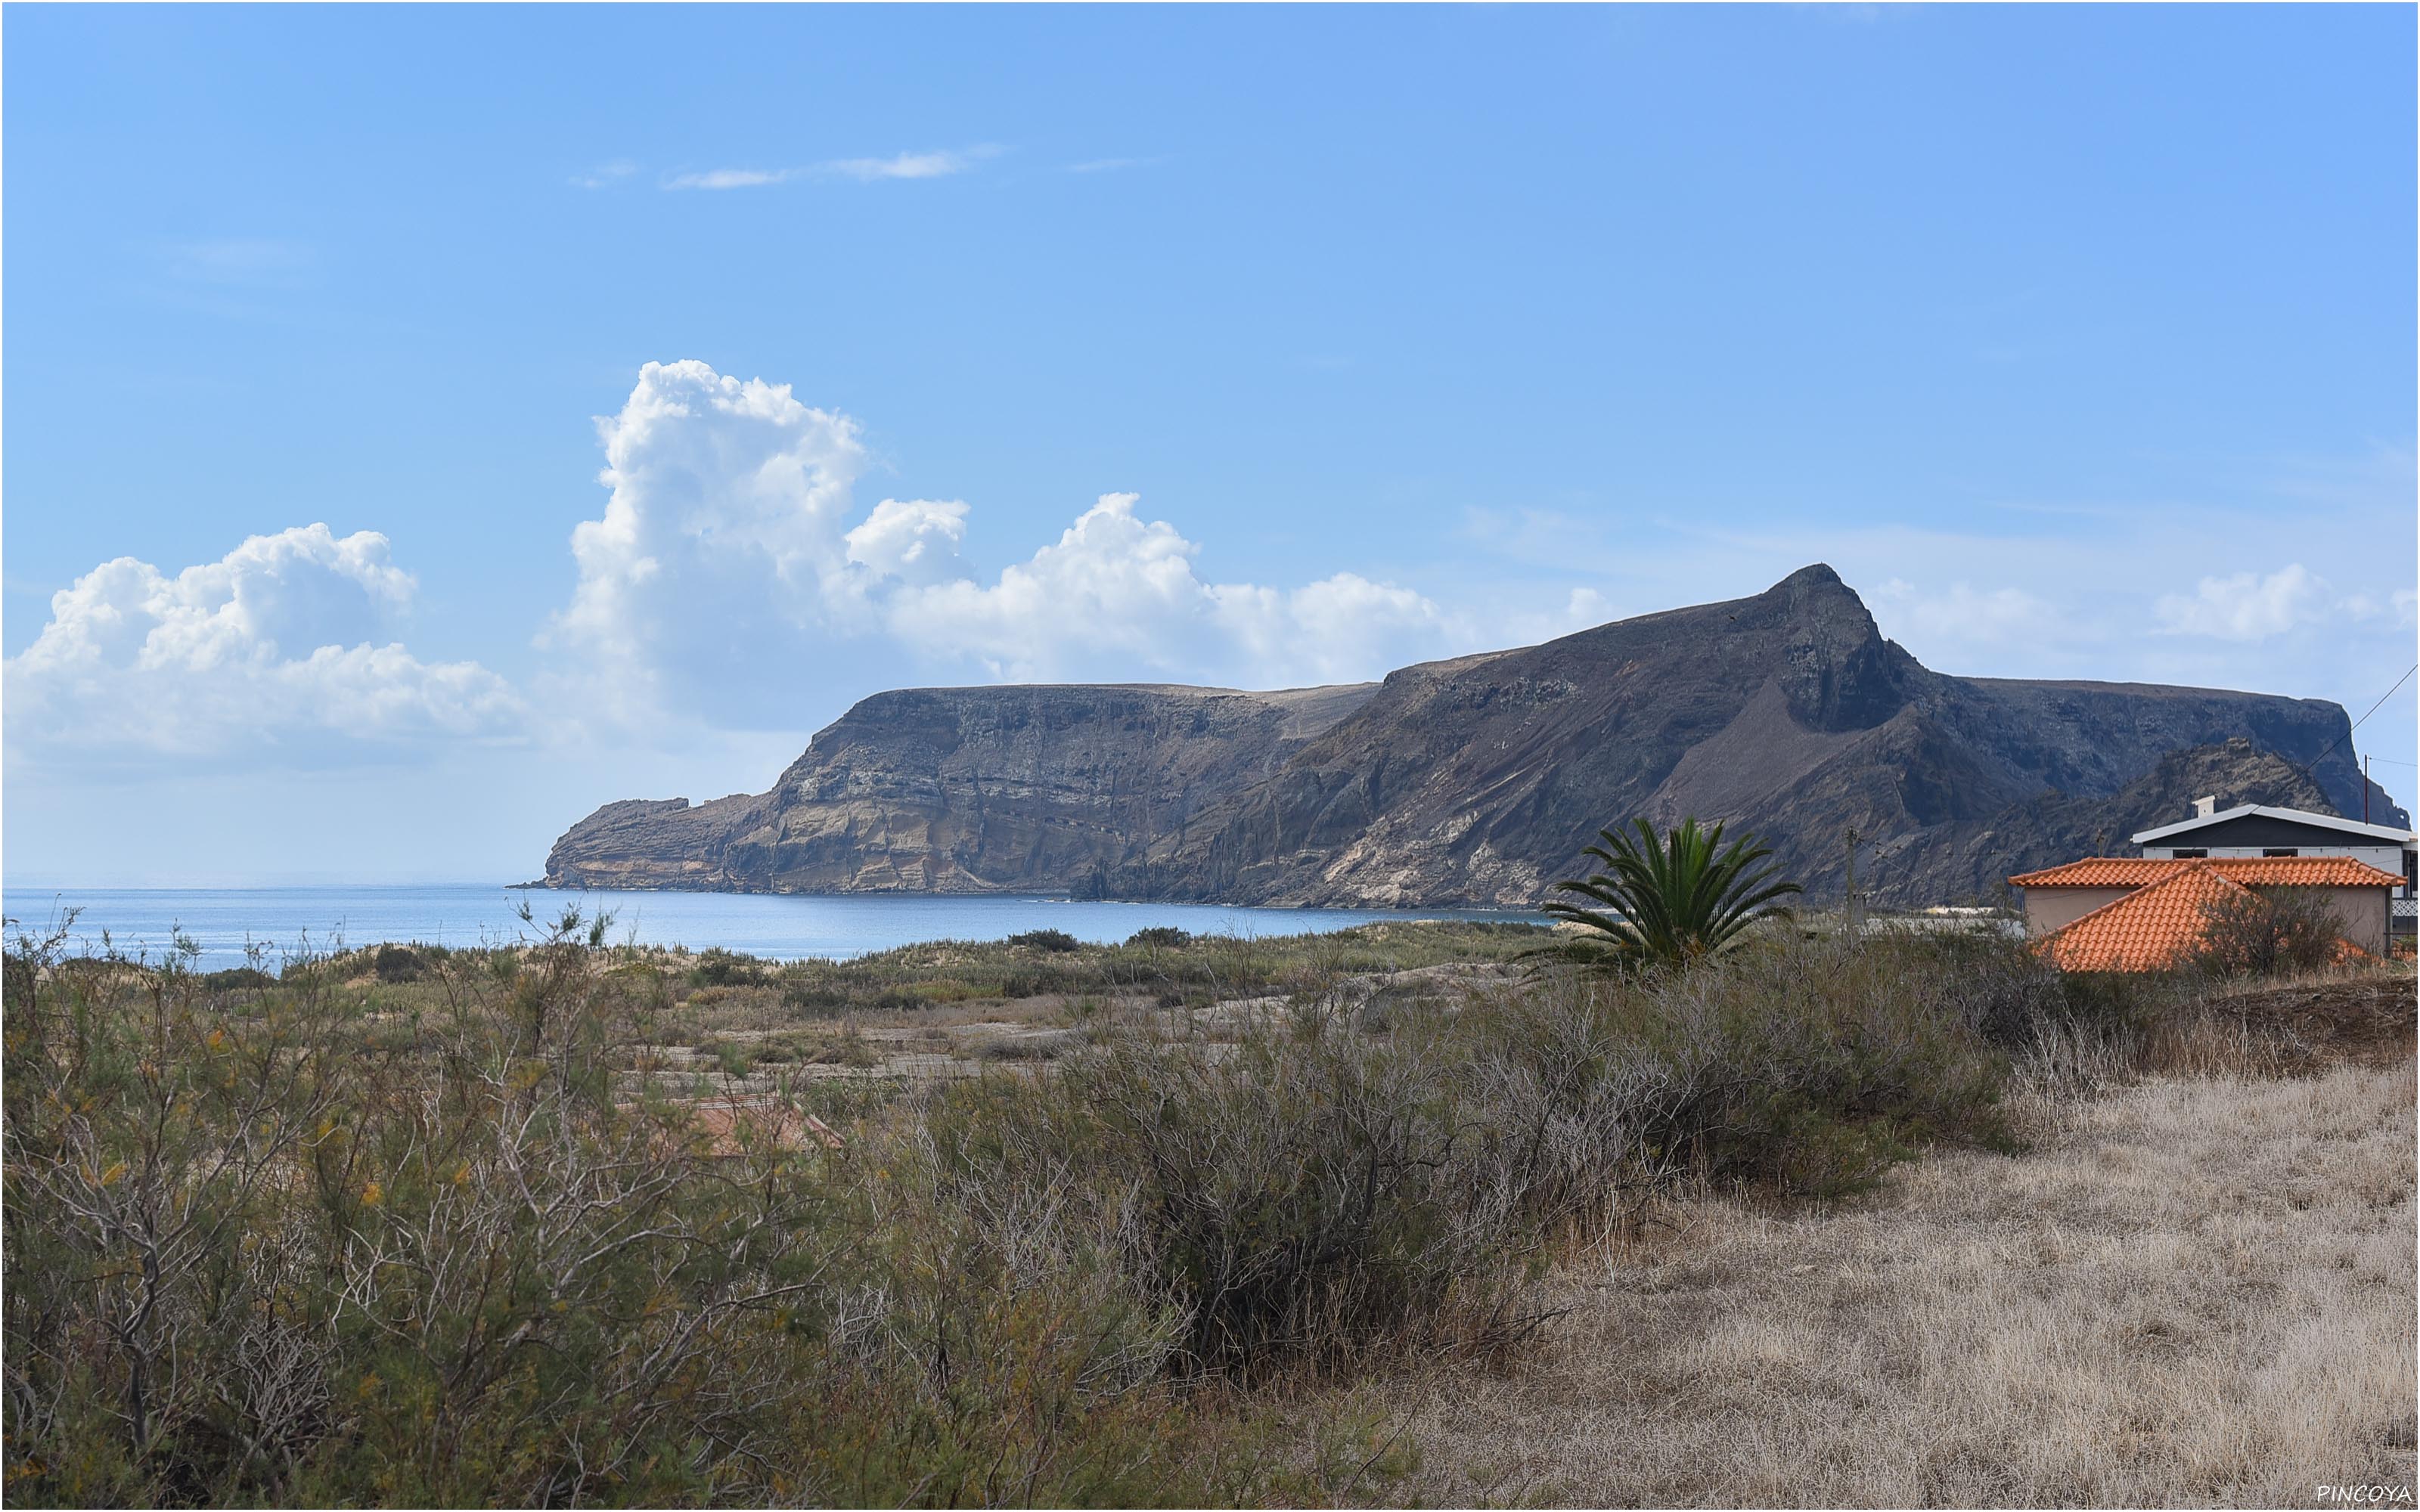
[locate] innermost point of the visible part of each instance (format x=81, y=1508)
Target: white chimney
x=2204, y=808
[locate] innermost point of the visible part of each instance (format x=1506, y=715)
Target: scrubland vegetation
x=1367, y=1217
x=2186, y=1292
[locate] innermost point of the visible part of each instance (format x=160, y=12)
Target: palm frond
x=1665, y=899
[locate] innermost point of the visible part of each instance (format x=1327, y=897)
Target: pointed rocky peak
x=1838, y=672
x=1816, y=591
x=1812, y=576
x=1816, y=605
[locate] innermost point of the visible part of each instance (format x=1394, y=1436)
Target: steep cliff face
x=1477, y=781
x=654, y=843
x=967, y=790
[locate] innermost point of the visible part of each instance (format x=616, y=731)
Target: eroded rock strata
x=1475, y=781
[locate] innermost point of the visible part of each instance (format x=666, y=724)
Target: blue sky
x=2079, y=339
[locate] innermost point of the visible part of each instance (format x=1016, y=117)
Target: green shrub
x=813, y=996
x=397, y=962
x=1821, y=1061
x=1047, y=1045
x=1053, y=941
x=722, y=968
x=2268, y=931
x=262, y=1249
x=1160, y=937
x=730, y=1056
x=467, y=1269
x=1288, y=1197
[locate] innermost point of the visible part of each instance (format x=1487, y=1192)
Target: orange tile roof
x=2152, y=926
x=2250, y=871
x=2160, y=925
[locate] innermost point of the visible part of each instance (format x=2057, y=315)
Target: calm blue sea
x=223, y=920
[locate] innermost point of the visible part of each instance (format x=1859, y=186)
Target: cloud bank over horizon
x=734, y=581
x=276, y=646
x=730, y=574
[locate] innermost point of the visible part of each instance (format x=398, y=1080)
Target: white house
x=2256, y=830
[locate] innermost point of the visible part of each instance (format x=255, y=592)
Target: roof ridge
x=2339, y=822
x=2310, y=863
x=2351, y=871
x=2020, y=879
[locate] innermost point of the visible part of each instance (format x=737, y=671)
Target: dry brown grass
x=2191, y=1291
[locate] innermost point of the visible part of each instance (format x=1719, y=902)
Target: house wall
x=2388, y=859
x=2362, y=910
x=2259, y=829
x=2054, y=908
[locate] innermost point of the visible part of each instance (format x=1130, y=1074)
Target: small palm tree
x=1667, y=902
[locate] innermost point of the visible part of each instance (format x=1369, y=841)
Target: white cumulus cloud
x=1116, y=595
x=277, y=644
x=1340, y=629
x=1962, y=614
x=721, y=564
x=733, y=578
x=915, y=540
x=2249, y=606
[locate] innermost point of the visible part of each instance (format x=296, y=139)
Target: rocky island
x=1475, y=781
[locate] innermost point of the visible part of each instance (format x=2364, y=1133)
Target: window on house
x=2281, y=850
x=2189, y=856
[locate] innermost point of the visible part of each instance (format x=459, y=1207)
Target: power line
x=2358, y=723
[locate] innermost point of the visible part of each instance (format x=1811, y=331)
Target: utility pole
x=1854, y=929
x=2364, y=790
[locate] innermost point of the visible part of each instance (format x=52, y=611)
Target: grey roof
x=2300, y=816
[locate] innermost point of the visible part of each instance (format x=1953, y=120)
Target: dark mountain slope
x=1972, y=860
x=1477, y=781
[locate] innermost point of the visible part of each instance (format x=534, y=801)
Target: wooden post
x=1853, y=931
